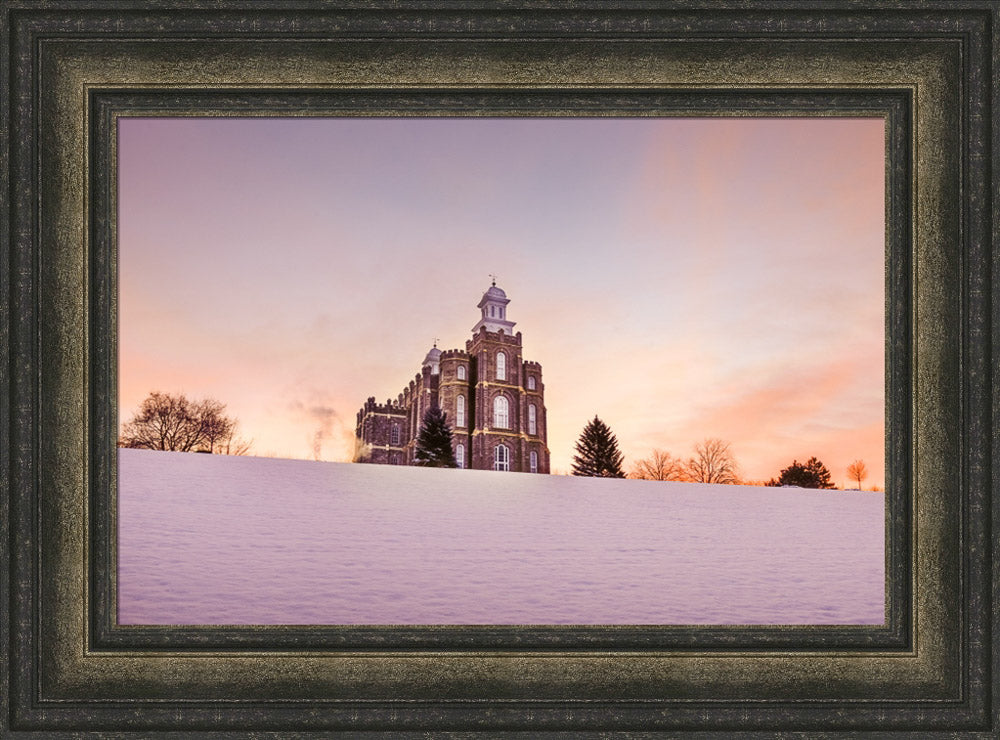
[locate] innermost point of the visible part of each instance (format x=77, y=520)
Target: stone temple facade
x=493, y=399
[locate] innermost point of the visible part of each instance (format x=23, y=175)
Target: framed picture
x=135, y=131
x=766, y=332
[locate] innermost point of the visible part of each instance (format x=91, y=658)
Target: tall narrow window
x=460, y=411
x=501, y=366
x=461, y=372
x=460, y=455
x=534, y=462
x=501, y=458
x=531, y=382
x=501, y=413
x=531, y=419
x=394, y=438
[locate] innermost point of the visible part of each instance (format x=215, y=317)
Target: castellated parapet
x=492, y=398
x=380, y=432
x=371, y=407
x=499, y=337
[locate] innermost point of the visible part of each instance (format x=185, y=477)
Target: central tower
x=508, y=404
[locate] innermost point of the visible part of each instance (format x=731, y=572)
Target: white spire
x=494, y=307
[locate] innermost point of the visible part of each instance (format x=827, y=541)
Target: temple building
x=493, y=399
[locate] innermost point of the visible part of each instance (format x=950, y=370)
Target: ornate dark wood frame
x=70, y=68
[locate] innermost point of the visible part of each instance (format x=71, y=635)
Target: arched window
x=501, y=413
x=461, y=372
x=501, y=458
x=460, y=455
x=460, y=411
x=394, y=439
x=531, y=382
x=534, y=462
x=532, y=426
x=501, y=366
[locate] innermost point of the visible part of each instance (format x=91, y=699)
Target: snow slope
x=208, y=539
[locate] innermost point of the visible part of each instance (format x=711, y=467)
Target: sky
x=680, y=278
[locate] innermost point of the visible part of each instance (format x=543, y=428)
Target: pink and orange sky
x=680, y=278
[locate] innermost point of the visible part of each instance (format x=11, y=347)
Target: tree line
x=171, y=422
x=598, y=455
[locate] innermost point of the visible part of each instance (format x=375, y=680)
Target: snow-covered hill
x=208, y=539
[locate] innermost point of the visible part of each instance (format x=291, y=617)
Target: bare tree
x=858, y=471
x=163, y=422
x=660, y=465
x=216, y=427
x=713, y=462
x=239, y=446
x=172, y=422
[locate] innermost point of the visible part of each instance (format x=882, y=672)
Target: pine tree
x=820, y=473
x=812, y=474
x=434, y=441
x=599, y=455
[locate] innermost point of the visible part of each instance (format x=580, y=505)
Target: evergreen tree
x=820, y=473
x=812, y=474
x=434, y=441
x=599, y=455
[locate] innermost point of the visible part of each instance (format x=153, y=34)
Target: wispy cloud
x=328, y=435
